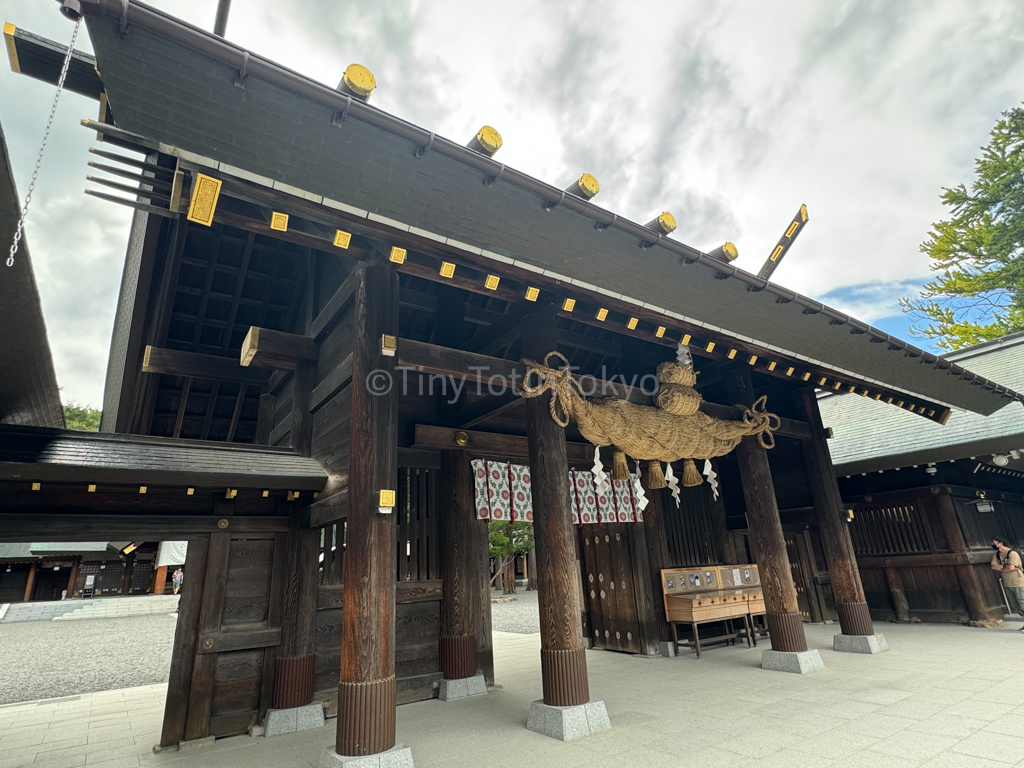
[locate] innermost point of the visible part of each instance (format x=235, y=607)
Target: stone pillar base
x=860, y=643
x=461, y=688
x=668, y=648
x=399, y=756
x=568, y=723
x=304, y=718
x=799, y=662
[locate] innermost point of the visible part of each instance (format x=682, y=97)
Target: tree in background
x=81, y=417
x=979, y=250
x=505, y=540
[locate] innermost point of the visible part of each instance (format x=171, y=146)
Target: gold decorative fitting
x=279, y=221
x=731, y=252
x=397, y=255
x=293, y=495
x=899, y=404
x=732, y=354
x=588, y=185
x=491, y=283
x=387, y=498
x=208, y=642
x=602, y=314
x=790, y=370
x=142, y=489
x=771, y=365
x=685, y=340
x=487, y=140
x=853, y=388
x=358, y=80
x=532, y=293
x=931, y=413
x=849, y=514
x=342, y=239
x=266, y=494
x=388, y=345
x=806, y=376
x=752, y=360
x=316, y=494
x=230, y=493
x=12, y=51
x=660, y=332
x=666, y=222
x=632, y=323
x=803, y=213
x=205, y=193
x=837, y=385
x=878, y=396
x=190, y=492
x=568, y=304
x=447, y=269
x=776, y=253
x=36, y=486
x=710, y=347
x=222, y=523
x=821, y=381
x=461, y=439
x=92, y=489
x=792, y=228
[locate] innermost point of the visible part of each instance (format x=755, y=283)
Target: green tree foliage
x=505, y=540
x=979, y=251
x=81, y=417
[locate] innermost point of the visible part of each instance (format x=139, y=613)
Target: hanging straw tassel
x=655, y=478
x=691, y=477
x=620, y=471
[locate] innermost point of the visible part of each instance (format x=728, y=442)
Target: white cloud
x=729, y=114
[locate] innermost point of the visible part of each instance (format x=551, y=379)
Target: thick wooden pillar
x=481, y=595
x=782, y=610
x=657, y=555
x=459, y=567
x=562, y=657
x=31, y=581
x=852, y=606
x=160, y=580
x=295, y=665
x=366, y=692
x=73, y=576
x=974, y=597
x=265, y=419
x=186, y=636
x=531, y=566
x=649, y=603
x=898, y=594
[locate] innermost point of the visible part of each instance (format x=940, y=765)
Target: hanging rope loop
x=42, y=149
x=564, y=388
x=761, y=422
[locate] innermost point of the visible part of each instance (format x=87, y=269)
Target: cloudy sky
x=728, y=114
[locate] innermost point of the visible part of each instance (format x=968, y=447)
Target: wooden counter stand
x=782, y=610
x=366, y=693
x=457, y=652
x=854, y=618
x=562, y=657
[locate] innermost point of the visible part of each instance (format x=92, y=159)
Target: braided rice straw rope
x=641, y=431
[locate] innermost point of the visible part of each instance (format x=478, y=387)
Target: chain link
x=42, y=149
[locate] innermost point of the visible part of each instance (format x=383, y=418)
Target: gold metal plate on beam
x=279, y=221
x=205, y=193
x=342, y=239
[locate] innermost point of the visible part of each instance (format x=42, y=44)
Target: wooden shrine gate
x=610, y=615
x=229, y=627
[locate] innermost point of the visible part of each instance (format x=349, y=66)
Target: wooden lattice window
x=889, y=530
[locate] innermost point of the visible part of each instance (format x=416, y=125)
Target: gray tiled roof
x=20, y=551
x=870, y=436
x=61, y=455
x=162, y=86
x=28, y=383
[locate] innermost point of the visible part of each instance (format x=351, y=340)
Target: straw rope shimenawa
x=675, y=430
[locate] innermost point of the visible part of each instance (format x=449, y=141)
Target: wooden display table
x=728, y=594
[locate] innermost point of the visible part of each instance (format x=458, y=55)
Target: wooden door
x=801, y=576
x=609, y=591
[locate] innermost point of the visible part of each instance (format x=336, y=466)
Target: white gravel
x=520, y=616
x=47, y=659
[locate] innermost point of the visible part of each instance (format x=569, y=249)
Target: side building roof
x=870, y=437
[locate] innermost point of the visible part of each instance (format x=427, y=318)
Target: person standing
x=1008, y=564
x=177, y=577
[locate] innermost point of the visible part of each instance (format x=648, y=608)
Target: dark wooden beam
x=332, y=383
x=327, y=510
x=267, y=348
x=62, y=527
x=485, y=408
x=265, y=419
x=175, y=362
x=335, y=305
x=489, y=444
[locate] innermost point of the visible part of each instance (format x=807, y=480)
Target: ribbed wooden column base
x=786, y=631
x=855, y=619
x=565, y=677
x=457, y=656
x=293, y=681
x=366, y=717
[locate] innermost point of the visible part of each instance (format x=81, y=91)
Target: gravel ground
x=47, y=659
x=520, y=616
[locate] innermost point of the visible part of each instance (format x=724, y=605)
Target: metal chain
x=42, y=149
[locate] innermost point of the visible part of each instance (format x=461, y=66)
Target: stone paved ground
x=519, y=615
x=44, y=659
x=944, y=696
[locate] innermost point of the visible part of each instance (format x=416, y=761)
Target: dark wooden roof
x=43, y=59
x=28, y=383
x=180, y=85
x=36, y=454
